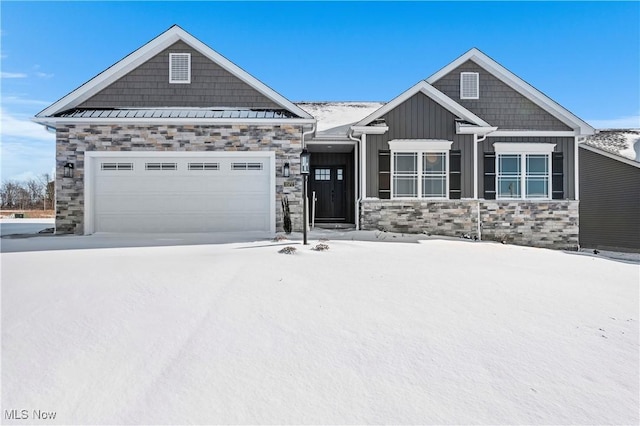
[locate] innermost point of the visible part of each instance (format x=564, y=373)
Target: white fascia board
x=148, y=51
x=53, y=121
x=431, y=92
x=610, y=155
x=474, y=130
x=370, y=130
x=529, y=133
x=520, y=86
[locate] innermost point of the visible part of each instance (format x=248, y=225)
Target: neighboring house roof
x=519, y=85
x=622, y=143
x=433, y=93
x=148, y=51
x=335, y=118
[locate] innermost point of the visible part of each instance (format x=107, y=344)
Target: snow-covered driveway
x=366, y=332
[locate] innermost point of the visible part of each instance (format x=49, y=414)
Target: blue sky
x=584, y=55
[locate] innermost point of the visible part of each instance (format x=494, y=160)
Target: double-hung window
x=523, y=170
x=419, y=168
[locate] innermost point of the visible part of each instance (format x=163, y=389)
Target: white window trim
x=420, y=147
x=477, y=83
x=522, y=149
x=171, y=79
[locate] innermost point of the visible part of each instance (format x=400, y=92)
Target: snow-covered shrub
x=288, y=250
x=320, y=247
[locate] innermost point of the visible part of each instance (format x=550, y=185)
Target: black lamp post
x=305, y=156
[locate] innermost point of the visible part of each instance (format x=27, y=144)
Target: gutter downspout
x=476, y=141
x=358, y=177
x=313, y=129
x=306, y=199
x=576, y=165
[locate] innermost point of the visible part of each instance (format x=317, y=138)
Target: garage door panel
x=136, y=199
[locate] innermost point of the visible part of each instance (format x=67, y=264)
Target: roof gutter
x=55, y=121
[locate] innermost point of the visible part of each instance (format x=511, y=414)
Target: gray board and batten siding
x=419, y=117
x=609, y=203
x=148, y=86
x=498, y=104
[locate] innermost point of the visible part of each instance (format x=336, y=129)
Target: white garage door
x=172, y=193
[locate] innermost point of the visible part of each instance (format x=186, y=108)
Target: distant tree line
x=32, y=194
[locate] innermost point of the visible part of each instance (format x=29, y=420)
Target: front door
x=329, y=185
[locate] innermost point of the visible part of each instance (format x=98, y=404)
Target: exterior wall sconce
x=285, y=170
x=68, y=170
x=304, y=162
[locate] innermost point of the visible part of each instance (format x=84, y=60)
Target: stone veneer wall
x=451, y=218
x=72, y=141
x=551, y=224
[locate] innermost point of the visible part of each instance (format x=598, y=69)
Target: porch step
x=335, y=225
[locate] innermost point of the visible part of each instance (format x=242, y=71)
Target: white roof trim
x=611, y=155
x=433, y=93
x=148, y=51
x=53, y=121
x=370, y=130
x=474, y=130
x=519, y=85
x=539, y=133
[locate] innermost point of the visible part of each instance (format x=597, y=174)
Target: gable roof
x=148, y=51
x=519, y=85
x=433, y=93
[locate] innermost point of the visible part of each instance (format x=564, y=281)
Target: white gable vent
x=469, y=85
x=179, y=68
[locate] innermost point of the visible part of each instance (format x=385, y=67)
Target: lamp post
x=304, y=171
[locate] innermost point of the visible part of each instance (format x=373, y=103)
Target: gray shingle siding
x=498, y=104
x=419, y=117
x=148, y=86
x=564, y=145
x=609, y=203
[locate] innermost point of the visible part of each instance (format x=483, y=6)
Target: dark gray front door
x=329, y=184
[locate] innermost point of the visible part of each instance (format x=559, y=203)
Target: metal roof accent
x=176, y=113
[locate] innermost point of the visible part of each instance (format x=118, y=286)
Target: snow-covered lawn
x=366, y=332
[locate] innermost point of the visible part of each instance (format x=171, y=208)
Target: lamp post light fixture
x=285, y=170
x=68, y=170
x=305, y=156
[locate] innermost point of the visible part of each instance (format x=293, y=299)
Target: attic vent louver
x=180, y=68
x=469, y=85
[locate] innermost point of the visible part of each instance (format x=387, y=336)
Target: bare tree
x=29, y=195
x=9, y=194
x=49, y=189
x=35, y=190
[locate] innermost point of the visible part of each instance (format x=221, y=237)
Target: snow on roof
x=335, y=117
x=622, y=142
